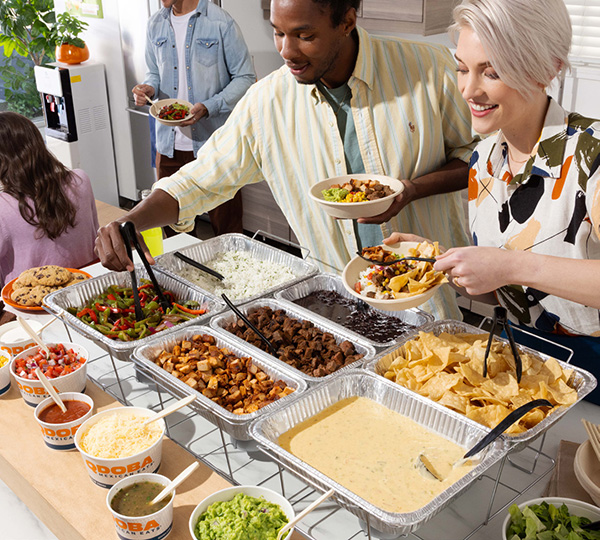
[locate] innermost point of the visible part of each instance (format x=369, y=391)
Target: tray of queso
x=362, y=435
x=443, y=361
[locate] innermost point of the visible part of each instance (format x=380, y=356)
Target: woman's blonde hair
x=527, y=41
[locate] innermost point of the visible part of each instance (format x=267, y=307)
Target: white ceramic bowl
x=352, y=271
x=62, y=436
x=5, y=373
x=32, y=390
x=151, y=527
x=229, y=493
x=358, y=209
x=576, y=508
x=158, y=105
x=587, y=470
x=14, y=340
x=106, y=472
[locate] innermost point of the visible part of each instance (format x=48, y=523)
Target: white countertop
x=20, y=523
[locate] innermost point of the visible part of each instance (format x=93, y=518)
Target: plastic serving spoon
x=32, y=334
x=304, y=513
x=174, y=483
x=171, y=409
x=50, y=389
x=489, y=438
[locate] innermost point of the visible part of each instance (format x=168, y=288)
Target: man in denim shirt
x=195, y=52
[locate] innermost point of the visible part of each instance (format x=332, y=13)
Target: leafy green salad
x=546, y=522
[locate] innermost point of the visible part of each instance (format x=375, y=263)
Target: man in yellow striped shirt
x=345, y=102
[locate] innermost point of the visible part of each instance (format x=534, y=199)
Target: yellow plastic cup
x=154, y=240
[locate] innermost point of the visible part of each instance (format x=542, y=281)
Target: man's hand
x=198, y=111
x=397, y=237
x=401, y=200
x=111, y=249
x=141, y=90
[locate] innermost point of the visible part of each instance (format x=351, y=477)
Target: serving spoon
x=33, y=335
x=508, y=421
x=174, y=483
x=171, y=409
x=50, y=389
x=304, y=513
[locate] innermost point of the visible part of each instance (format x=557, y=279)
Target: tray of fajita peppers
x=102, y=309
x=112, y=313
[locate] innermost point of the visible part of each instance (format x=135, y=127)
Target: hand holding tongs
x=500, y=318
x=130, y=237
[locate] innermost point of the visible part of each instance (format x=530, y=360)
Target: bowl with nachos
x=394, y=286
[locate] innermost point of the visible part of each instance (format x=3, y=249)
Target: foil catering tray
x=581, y=380
x=368, y=351
x=235, y=425
x=209, y=249
x=436, y=418
x=331, y=282
x=78, y=295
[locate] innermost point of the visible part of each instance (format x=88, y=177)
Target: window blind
x=585, y=18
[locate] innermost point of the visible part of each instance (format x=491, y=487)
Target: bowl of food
x=66, y=369
x=354, y=196
x=587, y=470
x=230, y=510
x=4, y=372
x=547, y=513
x=394, y=286
x=171, y=112
x=115, y=444
x=128, y=501
x=58, y=427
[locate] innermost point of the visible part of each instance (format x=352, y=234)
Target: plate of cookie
x=27, y=291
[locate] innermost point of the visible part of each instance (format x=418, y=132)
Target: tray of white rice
x=251, y=268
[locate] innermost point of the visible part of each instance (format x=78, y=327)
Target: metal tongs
x=389, y=263
x=130, y=238
x=501, y=318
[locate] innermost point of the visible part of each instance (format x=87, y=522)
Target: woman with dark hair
x=47, y=212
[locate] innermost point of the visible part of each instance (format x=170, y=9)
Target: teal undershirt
x=366, y=235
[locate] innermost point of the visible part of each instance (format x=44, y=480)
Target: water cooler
x=78, y=130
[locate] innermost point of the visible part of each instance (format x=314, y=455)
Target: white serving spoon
x=33, y=335
x=304, y=513
x=49, y=388
x=174, y=483
x=176, y=406
x=46, y=326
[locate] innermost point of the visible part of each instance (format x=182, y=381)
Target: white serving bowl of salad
x=158, y=109
x=575, y=508
x=355, y=210
x=224, y=522
x=358, y=284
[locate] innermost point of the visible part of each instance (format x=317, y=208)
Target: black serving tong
x=504, y=424
x=198, y=265
x=266, y=341
x=501, y=319
x=395, y=261
x=130, y=236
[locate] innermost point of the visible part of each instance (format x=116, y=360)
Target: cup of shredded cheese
x=4, y=372
x=114, y=444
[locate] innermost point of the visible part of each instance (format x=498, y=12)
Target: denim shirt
x=218, y=66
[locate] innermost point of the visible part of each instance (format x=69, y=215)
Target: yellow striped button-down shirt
x=410, y=120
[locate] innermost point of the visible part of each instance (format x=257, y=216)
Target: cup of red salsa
x=58, y=428
x=65, y=368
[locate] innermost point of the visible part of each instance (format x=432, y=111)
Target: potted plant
x=70, y=49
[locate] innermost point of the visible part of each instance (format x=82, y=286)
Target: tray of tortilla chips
x=396, y=286
x=443, y=361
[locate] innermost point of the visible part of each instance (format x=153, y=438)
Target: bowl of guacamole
x=241, y=513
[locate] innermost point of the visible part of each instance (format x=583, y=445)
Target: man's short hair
x=338, y=8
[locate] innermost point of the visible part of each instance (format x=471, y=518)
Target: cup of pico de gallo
x=58, y=427
x=65, y=367
x=4, y=372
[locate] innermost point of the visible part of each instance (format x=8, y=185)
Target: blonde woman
x=534, y=182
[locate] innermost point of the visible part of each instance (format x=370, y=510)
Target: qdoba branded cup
x=151, y=527
x=107, y=471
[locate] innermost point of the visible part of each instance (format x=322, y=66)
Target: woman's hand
x=479, y=270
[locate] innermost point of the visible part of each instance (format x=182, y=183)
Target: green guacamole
x=241, y=518
x=335, y=194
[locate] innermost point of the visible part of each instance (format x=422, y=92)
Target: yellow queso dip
x=372, y=451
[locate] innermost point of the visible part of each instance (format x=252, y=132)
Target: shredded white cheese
x=245, y=275
x=120, y=436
